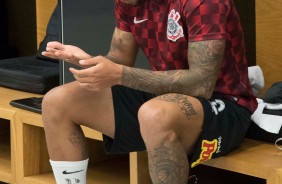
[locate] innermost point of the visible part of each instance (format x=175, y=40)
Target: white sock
x=70, y=172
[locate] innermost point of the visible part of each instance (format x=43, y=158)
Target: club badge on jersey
x=174, y=29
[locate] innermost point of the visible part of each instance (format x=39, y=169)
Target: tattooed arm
x=204, y=61
x=123, y=48
x=199, y=80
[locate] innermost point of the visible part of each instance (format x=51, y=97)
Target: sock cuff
x=82, y=163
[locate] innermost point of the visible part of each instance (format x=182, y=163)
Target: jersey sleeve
x=121, y=16
x=206, y=19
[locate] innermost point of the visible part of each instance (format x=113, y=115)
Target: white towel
x=256, y=78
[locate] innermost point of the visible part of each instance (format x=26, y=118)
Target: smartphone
x=32, y=104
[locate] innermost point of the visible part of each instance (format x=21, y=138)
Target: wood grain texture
x=253, y=158
x=5, y=159
x=44, y=9
x=269, y=39
x=139, y=172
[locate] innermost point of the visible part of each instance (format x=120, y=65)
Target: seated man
x=194, y=104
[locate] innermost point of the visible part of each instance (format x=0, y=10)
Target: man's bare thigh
x=89, y=108
x=187, y=115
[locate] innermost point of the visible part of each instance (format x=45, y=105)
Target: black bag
x=29, y=74
x=273, y=95
x=35, y=74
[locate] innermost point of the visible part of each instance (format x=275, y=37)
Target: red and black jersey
x=163, y=28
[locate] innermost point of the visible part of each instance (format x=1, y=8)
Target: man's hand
x=100, y=73
x=68, y=53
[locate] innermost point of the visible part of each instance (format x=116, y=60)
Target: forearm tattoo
x=204, y=63
x=183, y=103
x=168, y=163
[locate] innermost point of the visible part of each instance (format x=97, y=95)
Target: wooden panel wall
x=269, y=39
x=44, y=9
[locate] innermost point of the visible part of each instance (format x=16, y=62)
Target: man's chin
x=132, y=2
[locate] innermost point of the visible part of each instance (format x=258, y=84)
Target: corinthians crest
x=174, y=30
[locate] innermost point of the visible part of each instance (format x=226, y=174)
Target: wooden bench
x=253, y=158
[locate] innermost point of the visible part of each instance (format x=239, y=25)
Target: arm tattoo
x=123, y=48
x=120, y=40
x=206, y=57
x=168, y=163
x=183, y=103
x=204, y=63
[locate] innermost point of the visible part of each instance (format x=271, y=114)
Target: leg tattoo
x=183, y=103
x=168, y=163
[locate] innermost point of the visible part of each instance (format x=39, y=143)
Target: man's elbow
x=207, y=87
x=206, y=93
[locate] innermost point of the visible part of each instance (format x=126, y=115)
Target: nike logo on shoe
x=65, y=172
x=139, y=21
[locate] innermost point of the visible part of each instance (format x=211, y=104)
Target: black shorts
x=225, y=125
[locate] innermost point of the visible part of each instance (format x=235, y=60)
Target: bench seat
x=253, y=158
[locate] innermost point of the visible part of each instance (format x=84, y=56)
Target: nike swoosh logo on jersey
x=65, y=172
x=139, y=21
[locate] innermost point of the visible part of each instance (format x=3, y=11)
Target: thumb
x=89, y=62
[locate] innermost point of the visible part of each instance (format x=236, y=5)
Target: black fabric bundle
x=29, y=74
x=273, y=96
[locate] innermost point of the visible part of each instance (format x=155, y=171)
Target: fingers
x=52, y=49
x=55, y=50
x=84, y=80
x=81, y=75
x=69, y=53
x=55, y=45
x=89, y=62
x=57, y=54
x=49, y=54
x=64, y=55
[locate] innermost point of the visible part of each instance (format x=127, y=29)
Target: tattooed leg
x=168, y=163
x=170, y=126
x=183, y=103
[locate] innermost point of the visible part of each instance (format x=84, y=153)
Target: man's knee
x=53, y=103
x=155, y=119
x=53, y=98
